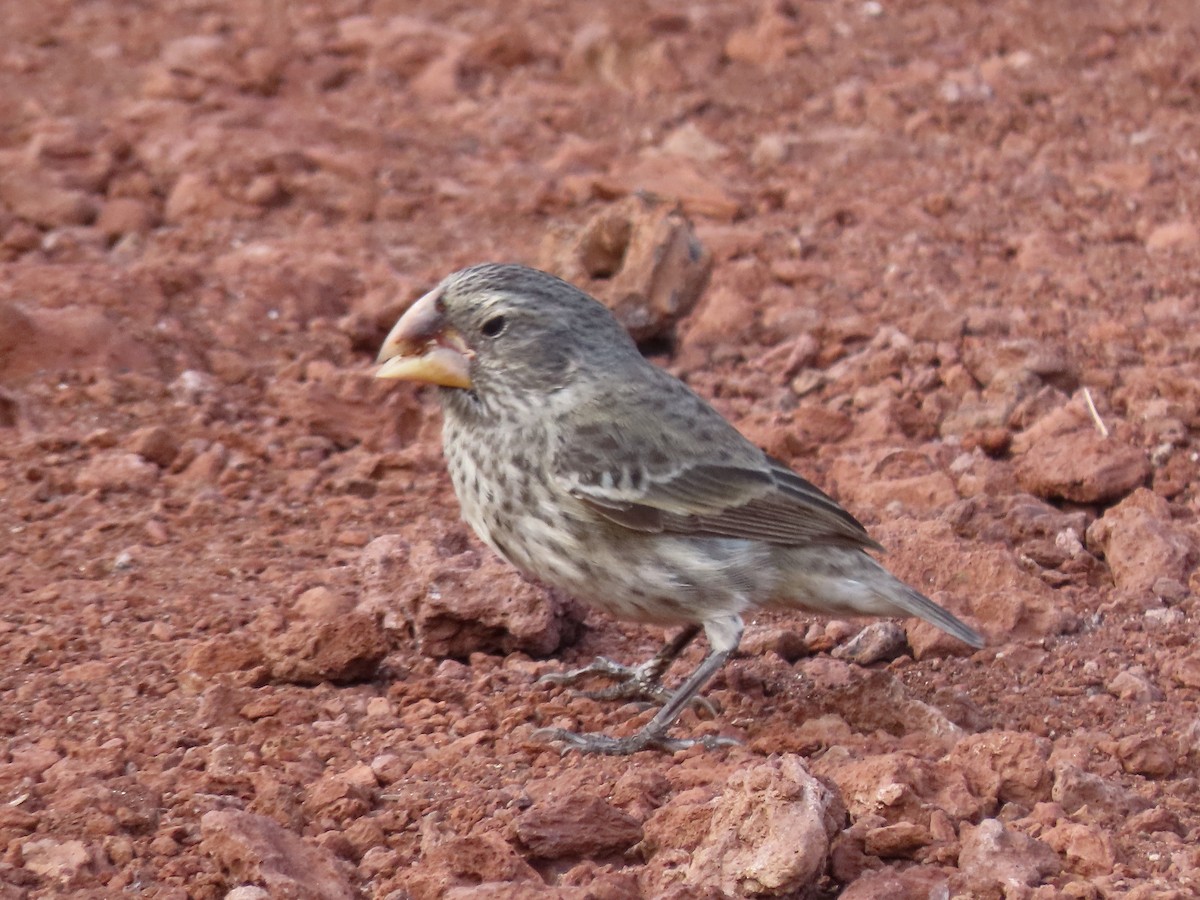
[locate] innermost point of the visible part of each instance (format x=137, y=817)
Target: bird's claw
x=593, y=742
x=630, y=683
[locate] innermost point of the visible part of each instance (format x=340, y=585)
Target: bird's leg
x=723, y=636
x=642, y=682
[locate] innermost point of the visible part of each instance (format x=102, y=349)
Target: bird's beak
x=423, y=346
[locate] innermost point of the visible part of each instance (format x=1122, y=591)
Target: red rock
x=156, y=444
x=722, y=314
x=677, y=180
x=254, y=848
x=915, y=883
x=117, y=471
x=341, y=797
x=641, y=257
x=224, y=653
x=575, y=825
x=1185, y=670
x=1173, y=236
x=680, y=823
x=878, y=642
x=77, y=338
x=1135, y=685
x=787, y=643
x=191, y=195
x=125, y=215
x=456, y=605
x=1087, y=850
x=205, y=467
x=1148, y=755
x=1142, y=544
x=322, y=603
x=995, y=854
x=60, y=862
x=1082, y=466
x=33, y=197
x=348, y=648
x=640, y=792
x=899, y=841
x=1075, y=789
x=1005, y=767
x=770, y=831
x=483, y=859
x=767, y=43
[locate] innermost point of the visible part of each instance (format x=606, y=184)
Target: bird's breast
x=500, y=477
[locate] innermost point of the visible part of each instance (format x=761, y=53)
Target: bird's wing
x=676, y=466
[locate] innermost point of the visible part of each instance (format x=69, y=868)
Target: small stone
x=689, y=141
x=770, y=832
x=1075, y=789
x=1146, y=755
x=30, y=196
x=255, y=848
x=206, y=466
x=345, y=649
x=125, y=215
x=459, y=604
x=56, y=861
x=564, y=826
x=914, y=883
x=117, y=471
x=1142, y=544
x=770, y=150
x=786, y=643
x=322, y=603
x=1082, y=466
x=1185, y=670
x=993, y=853
x=1086, y=849
x=878, y=642
x=248, y=892
x=1134, y=684
x=156, y=444
x=899, y=841
x=1005, y=767
x=639, y=256
x=224, y=653
x=341, y=797
x=1173, y=236
x=192, y=386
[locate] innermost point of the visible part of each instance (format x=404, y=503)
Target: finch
x=594, y=471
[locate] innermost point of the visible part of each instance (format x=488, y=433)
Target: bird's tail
x=846, y=581
x=917, y=604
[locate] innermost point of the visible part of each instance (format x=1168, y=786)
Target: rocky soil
x=248, y=650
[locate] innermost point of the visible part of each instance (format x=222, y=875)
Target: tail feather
x=842, y=580
x=917, y=604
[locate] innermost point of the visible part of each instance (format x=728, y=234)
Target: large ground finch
x=594, y=471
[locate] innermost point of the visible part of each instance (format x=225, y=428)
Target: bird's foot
x=630, y=683
x=646, y=739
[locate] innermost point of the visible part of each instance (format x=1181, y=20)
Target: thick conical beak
x=423, y=346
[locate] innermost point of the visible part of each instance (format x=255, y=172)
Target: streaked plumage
x=591, y=469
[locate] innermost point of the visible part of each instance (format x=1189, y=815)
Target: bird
x=594, y=471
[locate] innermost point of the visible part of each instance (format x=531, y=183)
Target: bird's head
x=504, y=328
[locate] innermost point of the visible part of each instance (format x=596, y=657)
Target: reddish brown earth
x=247, y=649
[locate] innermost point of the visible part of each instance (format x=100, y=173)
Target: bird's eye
x=494, y=326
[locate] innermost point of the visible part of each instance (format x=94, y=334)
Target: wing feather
x=655, y=476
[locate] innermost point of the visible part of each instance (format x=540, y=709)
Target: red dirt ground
x=247, y=649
